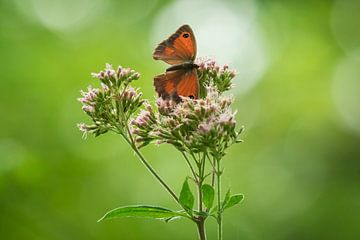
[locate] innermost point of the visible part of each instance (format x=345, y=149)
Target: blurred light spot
x=345, y=21
x=12, y=155
x=346, y=91
x=62, y=15
x=134, y=11
x=227, y=32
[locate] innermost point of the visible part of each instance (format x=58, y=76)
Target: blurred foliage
x=299, y=167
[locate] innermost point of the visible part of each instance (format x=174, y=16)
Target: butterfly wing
x=173, y=84
x=178, y=48
x=189, y=85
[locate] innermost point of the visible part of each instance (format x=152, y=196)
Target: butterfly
x=181, y=78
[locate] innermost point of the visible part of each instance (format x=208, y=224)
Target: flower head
x=211, y=73
x=111, y=77
x=85, y=129
x=192, y=124
x=112, y=104
x=89, y=96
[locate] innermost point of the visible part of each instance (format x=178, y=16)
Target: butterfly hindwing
x=173, y=84
x=189, y=85
x=165, y=83
x=178, y=48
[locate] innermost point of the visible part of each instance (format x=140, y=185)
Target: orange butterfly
x=181, y=78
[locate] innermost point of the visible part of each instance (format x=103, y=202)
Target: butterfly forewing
x=180, y=47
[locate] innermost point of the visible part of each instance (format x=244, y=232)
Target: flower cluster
x=115, y=78
x=192, y=125
x=210, y=73
x=111, y=105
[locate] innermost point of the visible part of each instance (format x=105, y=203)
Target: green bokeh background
x=299, y=166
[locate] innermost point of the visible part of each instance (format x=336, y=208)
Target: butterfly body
x=181, y=78
x=185, y=66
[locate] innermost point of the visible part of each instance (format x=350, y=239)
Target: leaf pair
x=232, y=201
x=229, y=201
x=187, y=201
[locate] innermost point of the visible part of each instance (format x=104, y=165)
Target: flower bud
x=105, y=87
x=227, y=119
x=95, y=75
x=232, y=74
x=88, y=109
x=101, y=75
x=83, y=127
x=148, y=107
x=135, y=131
x=204, y=128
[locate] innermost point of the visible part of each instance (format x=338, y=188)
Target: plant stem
x=200, y=220
x=201, y=228
x=213, y=173
x=200, y=196
x=219, y=215
x=154, y=173
x=148, y=166
x=200, y=182
x=190, y=166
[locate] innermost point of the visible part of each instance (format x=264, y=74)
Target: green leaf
x=142, y=211
x=229, y=201
x=234, y=199
x=226, y=200
x=186, y=197
x=208, y=195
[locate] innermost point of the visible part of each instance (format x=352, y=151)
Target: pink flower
x=105, y=87
x=148, y=107
x=225, y=102
x=165, y=106
x=88, y=109
x=205, y=128
x=142, y=119
x=83, y=128
x=227, y=119
x=89, y=96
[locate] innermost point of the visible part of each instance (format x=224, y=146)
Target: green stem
x=200, y=221
x=190, y=166
x=219, y=215
x=213, y=164
x=200, y=182
x=148, y=166
x=200, y=196
x=213, y=173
